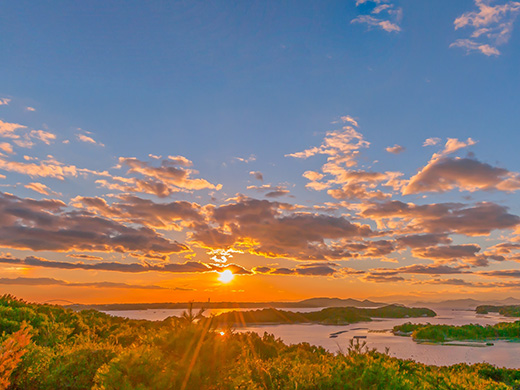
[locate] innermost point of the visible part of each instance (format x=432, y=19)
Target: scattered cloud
x=246, y=160
x=6, y=147
x=383, y=15
x=87, y=139
x=8, y=130
x=396, y=149
x=44, y=136
x=491, y=26
x=4, y=101
x=342, y=148
x=431, y=141
x=270, y=190
x=257, y=175
x=41, y=188
x=173, y=175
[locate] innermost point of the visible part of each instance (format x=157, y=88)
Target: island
x=327, y=316
x=507, y=310
x=449, y=333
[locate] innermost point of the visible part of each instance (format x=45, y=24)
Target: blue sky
x=236, y=88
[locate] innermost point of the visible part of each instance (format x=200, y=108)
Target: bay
x=377, y=334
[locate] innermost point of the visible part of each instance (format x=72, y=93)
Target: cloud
x=83, y=256
x=382, y=278
x=4, y=101
x=464, y=174
x=491, y=25
x=40, y=188
x=270, y=190
x=470, y=45
x=444, y=173
x=44, y=136
x=442, y=218
x=396, y=149
x=46, y=168
x=303, y=270
x=508, y=273
x=87, y=139
x=6, y=147
x=32, y=109
x=271, y=229
x=257, y=175
x=388, y=16
x=342, y=149
x=431, y=141
x=23, y=281
x=349, y=119
x=424, y=240
x=447, y=252
x=173, y=175
x=246, y=160
x=134, y=210
x=45, y=225
x=187, y=267
x=7, y=130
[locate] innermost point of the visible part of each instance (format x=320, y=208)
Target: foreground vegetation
x=328, y=316
x=48, y=347
x=508, y=311
x=443, y=333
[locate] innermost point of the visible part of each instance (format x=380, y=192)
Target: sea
x=377, y=335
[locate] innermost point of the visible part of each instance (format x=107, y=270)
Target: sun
x=226, y=276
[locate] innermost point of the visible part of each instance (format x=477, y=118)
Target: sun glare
x=226, y=276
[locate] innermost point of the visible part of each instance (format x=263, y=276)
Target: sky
x=354, y=149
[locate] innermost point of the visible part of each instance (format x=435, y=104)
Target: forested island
x=471, y=332
x=327, y=316
x=50, y=347
x=507, y=310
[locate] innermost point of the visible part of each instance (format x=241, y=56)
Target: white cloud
x=388, y=16
x=492, y=25
x=87, y=139
x=396, y=149
x=431, y=141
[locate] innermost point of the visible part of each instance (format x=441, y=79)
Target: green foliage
x=90, y=350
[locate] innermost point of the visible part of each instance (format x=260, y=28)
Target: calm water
x=378, y=335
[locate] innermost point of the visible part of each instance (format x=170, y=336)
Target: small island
x=507, y=311
x=327, y=316
x=472, y=332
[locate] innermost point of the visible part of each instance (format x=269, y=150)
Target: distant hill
x=338, y=302
x=466, y=304
x=306, y=303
